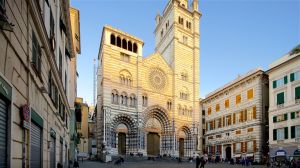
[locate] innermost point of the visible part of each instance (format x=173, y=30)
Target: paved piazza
x=156, y=164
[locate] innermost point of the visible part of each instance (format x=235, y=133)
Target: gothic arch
x=160, y=114
x=186, y=130
x=123, y=119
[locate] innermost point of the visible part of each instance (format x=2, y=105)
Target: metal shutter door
x=3, y=133
x=52, y=153
x=35, y=146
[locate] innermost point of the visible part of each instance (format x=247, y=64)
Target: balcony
x=279, y=106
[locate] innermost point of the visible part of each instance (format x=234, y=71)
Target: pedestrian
x=298, y=163
x=202, y=162
x=76, y=164
x=197, y=161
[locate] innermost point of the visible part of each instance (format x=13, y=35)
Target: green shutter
x=274, y=119
x=285, y=79
x=274, y=84
x=297, y=92
x=36, y=118
x=292, y=115
x=280, y=98
x=292, y=77
x=293, y=131
x=286, y=132
x=285, y=116
x=274, y=134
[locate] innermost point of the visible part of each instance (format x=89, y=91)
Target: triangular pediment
x=156, y=60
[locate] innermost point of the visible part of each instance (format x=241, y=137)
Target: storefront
x=5, y=100
x=280, y=155
x=52, y=148
x=36, y=140
x=296, y=155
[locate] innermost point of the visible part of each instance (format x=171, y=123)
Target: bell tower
x=177, y=40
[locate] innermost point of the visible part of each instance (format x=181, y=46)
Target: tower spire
x=195, y=5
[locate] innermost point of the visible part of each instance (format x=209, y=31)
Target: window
x=227, y=103
x=124, y=99
x=297, y=93
x=36, y=54
x=124, y=44
x=250, y=94
x=238, y=132
x=129, y=46
x=184, y=76
x=115, y=97
x=280, y=98
x=295, y=76
x=250, y=130
x=228, y=120
x=218, y=123
x=184, y=40
x=279, y=118
x=125, y=57
x=238, y=147
x=118, y=41
x=280, y=134
x=217, y=107
x=180, y=20
x=295, y=131
x=209, y=111
x=52, y=25
x=2, y=5
x=295, y=115
x=132, y=100
x=238, y=99
x=145, y=100
x=250, y=146
x=135, y=47
x=184, y=96
x=250, y=114
x=112, y=39
x=280, y=82
x=161, y=33
x=60, y=64
x=169, y=105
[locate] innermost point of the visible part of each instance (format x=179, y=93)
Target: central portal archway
x=228, y=153
x=153, y=144
x=181, y=147
x=122, y=143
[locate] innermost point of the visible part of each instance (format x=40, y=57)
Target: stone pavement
x=157, y=164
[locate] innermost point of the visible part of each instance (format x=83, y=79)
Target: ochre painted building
x=150, y=104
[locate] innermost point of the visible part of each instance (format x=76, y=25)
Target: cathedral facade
x=149, y=105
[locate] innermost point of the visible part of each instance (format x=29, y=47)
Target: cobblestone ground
x=154, y=164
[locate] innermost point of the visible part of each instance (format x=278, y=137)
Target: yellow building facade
x=149, y=105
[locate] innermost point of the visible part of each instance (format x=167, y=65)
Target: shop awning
x=249, y=155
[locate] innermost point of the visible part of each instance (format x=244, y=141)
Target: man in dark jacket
x=198, y=162
x=202, y=162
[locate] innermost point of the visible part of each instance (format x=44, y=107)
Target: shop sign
x=25, y=113
x=280, y=153
x=297, y=152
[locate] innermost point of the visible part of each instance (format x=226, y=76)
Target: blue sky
x=235, y=35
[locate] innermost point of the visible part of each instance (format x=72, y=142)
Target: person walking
x=197, y=161
x=76, y=164
x=202, y=162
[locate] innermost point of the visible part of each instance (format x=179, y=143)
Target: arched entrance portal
x=157, y=134
x=185, y=143
x=123, y=133
x=228, y=152
x=153, y=144
x=181, y=147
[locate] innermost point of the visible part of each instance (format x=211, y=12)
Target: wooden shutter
x=254, y=112
x=274, y=134
x=285, y=80
x=285, y=116
x=274, y=119
x=245, y=117
x=274, y=84
x=286, y=132
x=245, y=147
x=254, y=145
x=292, y=115
x=233, y=120
x=293, y=132
x=223, y=121
x=242, y=116
x=292, y=77
x=297, y=92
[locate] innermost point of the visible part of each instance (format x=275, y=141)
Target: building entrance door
x=153, y=144
x=181, y=147
x=122, y=143
x=228, y=153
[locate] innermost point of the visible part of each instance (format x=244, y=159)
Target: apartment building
x=284, y=113
x=236, y=118
x=35, y=52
